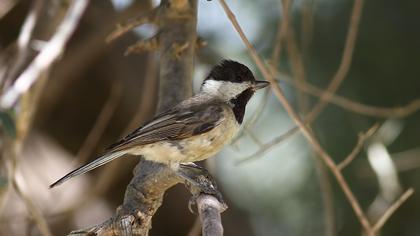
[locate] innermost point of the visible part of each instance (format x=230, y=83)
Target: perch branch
x=144, y=194
x=209, y=209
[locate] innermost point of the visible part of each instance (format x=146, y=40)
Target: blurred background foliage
x=276, y=193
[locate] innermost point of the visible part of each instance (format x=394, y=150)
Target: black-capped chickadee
x=195, y=129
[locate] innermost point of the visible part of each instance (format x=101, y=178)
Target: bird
x=195, y=129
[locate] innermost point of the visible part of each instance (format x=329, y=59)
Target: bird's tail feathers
x=88, y=167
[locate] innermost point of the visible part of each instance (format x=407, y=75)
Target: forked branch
x=367, y=226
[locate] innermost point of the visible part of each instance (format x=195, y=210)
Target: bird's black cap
x=231, y=71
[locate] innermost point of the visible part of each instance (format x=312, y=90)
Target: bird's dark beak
x=260, y=84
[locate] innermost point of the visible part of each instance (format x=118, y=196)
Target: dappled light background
x=95, y=95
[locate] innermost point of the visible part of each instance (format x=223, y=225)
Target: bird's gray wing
x=172, y=125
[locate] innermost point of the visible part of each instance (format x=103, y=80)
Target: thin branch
x=267, y=146
x=298, y=69
x=326, y=196
x=346, y=59
x=47, y=56
x=347, y=104
x=253, y=137
x=391, y=112
x=121, y=29
x=307, y=26
x=36, y=213
x=144, y=107
x=306, y=132
x=209, y=209
x=23, y=41
x=356, y=150
x=384, y=112
x=281, y=32
x=311, y=139
x=143, y=45
x=100, y=124
x=297, y=66
x=388, y=213
x=338, y=77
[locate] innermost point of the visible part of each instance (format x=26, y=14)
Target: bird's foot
x=199, y=181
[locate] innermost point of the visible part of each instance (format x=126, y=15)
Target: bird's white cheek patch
x=224, y=89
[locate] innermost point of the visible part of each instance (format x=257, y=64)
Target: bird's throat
x=239, y=104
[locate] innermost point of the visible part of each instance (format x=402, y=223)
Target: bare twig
x=209, y=209
x=326, y=196
x=297, y=66
x=308, y=135
x=306, y=132
x=121, y=29
x=143, y=45
x=356, y=150
x=144, y=107
x=267, y=146
x=47, y=56
x=36, y=213
x=23, y=41
x=384, y=112
x=307, y=26
x=344, y=65
x=346, y=59
x=345, y=103
x=100, y=124
x=388, y=213
x=298, y=70
x=281, y=32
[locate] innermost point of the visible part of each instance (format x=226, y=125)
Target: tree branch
x=209, y=209
x=305, y=131
x=369, y=228
x=144, y=194
x=47, y=56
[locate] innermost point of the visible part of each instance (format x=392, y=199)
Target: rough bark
x=176, y=20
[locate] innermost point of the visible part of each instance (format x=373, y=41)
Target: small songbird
x=195, y=129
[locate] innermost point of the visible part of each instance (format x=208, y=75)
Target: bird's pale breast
x=194, y=148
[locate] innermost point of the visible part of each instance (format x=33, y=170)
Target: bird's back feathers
x=174, y=124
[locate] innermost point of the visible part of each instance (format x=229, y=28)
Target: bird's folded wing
x=173, y=125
